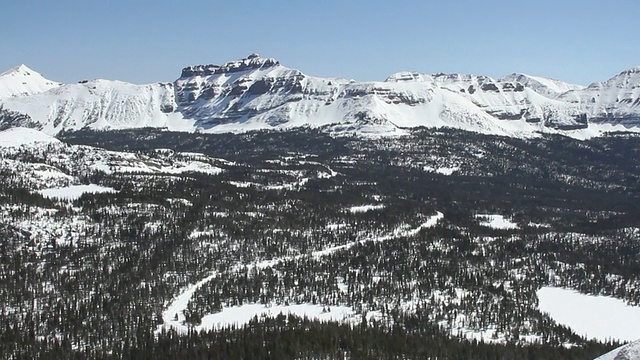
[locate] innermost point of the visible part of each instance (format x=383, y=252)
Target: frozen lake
x=600, y=317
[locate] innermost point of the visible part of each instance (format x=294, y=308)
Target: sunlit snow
x=496, y=221
x=442, y=170
x=16, y=137
x=365, y=208
x=74, y=191
x=240, y=315
x=600, y=317
x=22, y=81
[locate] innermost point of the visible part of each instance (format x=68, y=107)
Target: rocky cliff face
x=516, y=97
x=257, y=93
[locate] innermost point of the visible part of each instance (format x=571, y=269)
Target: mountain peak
x=627, y=78
x=21, y=69
x=634, y=71
x=409, y=76
x=542, y=85
x=251, y=62
x=21, y=80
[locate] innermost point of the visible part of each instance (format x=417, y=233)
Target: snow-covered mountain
x=100, y=104
x=22, y=81
x=630, y=351
x=260, y=93
x=614, y=101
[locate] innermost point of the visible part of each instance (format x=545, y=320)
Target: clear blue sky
x=140, y=41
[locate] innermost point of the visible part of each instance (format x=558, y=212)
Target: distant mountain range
x=259, y=93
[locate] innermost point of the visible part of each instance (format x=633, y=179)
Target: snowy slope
x=616, y=100
x=550, y=88
x=516, y=98
x=17, y=137
x=58, y=175
x=99, y=104
x=22, y=81
x=257, y=93
x=630, y=351
x=260, y=93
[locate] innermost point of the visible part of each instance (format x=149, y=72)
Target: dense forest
x=388, y=230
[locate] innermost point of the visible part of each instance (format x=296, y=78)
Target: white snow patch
x=193, y=166
x=337, y=226
x=442, y=170
x=365, y=208
x=179, y=201
x=240, y=315
x=74, y=191
x=539, y=225
x=243, y=184
x=600, y=317
x=52, y=175
x=496, y=221
x=16, y=137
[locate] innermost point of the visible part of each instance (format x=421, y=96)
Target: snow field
x=16, y=137
x=365, y=208
x=599, y=317
x=240, y=315
x=74, y=191
x=496, y=221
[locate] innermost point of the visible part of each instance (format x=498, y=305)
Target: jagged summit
x=625, y=77
x=633, y=70
x=251, y=62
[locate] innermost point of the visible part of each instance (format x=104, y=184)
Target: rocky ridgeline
x=259, y=93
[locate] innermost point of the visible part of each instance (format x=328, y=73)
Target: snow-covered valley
x=210, y=235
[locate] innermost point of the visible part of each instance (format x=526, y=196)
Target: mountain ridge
x=259, y=93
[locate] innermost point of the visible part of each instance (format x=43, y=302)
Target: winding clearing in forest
x=173, y=317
